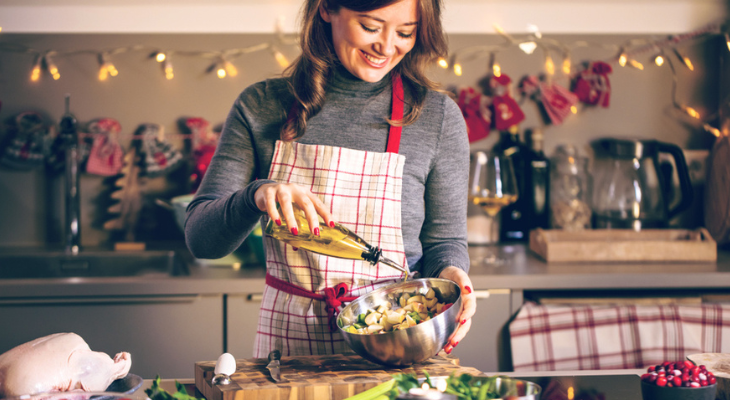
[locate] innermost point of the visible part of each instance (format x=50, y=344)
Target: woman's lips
x=374, y=62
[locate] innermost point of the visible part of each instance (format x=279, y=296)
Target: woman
x=323, y=139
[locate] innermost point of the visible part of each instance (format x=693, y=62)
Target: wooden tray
x=333, y=377
x=599, y=245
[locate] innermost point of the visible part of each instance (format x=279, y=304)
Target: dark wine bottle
x=513, y=226
x=537, y=185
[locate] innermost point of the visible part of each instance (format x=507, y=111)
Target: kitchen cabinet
x=165, y=335
x=486, y=346
x=242, y=316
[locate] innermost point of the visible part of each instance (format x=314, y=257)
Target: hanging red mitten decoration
x=105, y=157
x=593, y=86
x=475, y=109
x=555, y=100
x=505, y=110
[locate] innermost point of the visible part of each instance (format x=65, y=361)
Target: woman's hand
x=468, y=304
x=268, y=195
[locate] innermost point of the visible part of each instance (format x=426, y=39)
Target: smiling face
x=370, y=44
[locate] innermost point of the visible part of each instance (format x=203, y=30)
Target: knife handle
x=275, y=355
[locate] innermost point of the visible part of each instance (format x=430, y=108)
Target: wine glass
x=492, y=185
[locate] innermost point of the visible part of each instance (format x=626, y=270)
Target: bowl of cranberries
x=681, y=380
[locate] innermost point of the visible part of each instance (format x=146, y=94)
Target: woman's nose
x=386, y=44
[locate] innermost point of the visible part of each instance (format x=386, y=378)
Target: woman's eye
x=405, y=35
x=367, y=29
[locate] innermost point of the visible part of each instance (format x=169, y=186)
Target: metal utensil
x=274, y=363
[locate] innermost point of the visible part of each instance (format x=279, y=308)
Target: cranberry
x=652, y=378
x=661, y=381
x=651, y=369
x=677, y=381
x=712, y=380
x=694, y=384
x=688, y=364
x=702, y=376
x=703, y=383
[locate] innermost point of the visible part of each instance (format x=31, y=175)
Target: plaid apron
x=363, y=192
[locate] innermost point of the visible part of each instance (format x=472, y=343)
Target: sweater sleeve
x=224, y=212
x=443, y=235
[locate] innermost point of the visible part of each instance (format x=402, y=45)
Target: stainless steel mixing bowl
x=408, y=346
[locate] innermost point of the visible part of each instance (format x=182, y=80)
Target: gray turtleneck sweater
x=434, y=197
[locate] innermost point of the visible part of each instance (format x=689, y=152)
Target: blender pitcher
x=630, y=187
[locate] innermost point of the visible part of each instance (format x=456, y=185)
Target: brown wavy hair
x=311, y=71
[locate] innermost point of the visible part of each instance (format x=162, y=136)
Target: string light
x=685, y=60
x=457, y=69
x=167, y=68
x=496, y=69
x=280, y=58
x=712, y=130
x=574, y=109
x=221, y=71
x=442, y=63
x=106, y=68
x=528, y=47
x=692, y=112
x=567, y=64
x=636, y=64
x=160, y=57
x=659, y=60
x=35, y=73
x=549, y=64
x=52, y=68
x=727, y=40
x=230, y=68
x=622, y=59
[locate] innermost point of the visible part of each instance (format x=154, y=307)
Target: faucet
x=70, y=138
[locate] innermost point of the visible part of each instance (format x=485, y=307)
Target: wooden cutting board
x=333, y=377
x=719, y=365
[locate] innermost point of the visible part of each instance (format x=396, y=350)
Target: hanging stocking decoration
x=592, y=86
x=475, y=109
x=554, y=99
x=204, y=145
x=158, y=156
x=105, y=157
x=27, y=147
x=506, y=112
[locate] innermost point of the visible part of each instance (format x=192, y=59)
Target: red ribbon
x=333, y=297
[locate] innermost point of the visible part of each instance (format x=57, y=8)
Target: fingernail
x=454, y=344
x=468, y=289
x=295, y=248
x=316, y=231
x=448, y=348
x=294, y=231
x=278, y=222
x=463, y=321
x=332, y=224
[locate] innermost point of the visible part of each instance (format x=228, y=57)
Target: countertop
x=524, y=271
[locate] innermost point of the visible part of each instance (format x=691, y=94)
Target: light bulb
x=496, y=69
x=622, y=59
x=103, y=73
x=692, y=112
x=35, y=73
x=685, y=60
x=52, y=68
x=457, y=69
x=549, y=65
x=160, y=57
x=659, y=60
x=443, y=63
x=230, y=68
x=567, y=65
x=221, y=72
x=528, y=47
x=281, y=59
x=712, y=130
x=636, y=64
x=574, y=109
x=167, y=66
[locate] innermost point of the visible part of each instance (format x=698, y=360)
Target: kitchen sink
x=58, y=264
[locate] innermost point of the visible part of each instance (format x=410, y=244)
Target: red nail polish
x=278, y=222
x=448, y=349
x=463, y=321
x=468, y=289
x=454, y=344
x=316, y=231
x=294, y=231
x=332, y=224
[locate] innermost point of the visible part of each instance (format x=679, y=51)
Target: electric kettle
x=632, y=190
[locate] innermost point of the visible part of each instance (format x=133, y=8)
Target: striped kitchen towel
x=579, y=337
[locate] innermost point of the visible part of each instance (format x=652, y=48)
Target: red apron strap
x=333, y=297
x=396, y=115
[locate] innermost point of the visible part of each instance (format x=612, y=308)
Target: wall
x=31, y=202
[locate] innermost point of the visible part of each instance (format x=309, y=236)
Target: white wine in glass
x=492, y=185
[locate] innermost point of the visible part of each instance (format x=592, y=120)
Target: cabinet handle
x=257, y=297
x=102, y=300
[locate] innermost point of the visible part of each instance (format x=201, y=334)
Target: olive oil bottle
x=337, y=242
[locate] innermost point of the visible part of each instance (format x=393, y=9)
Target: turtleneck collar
x=343, y=80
